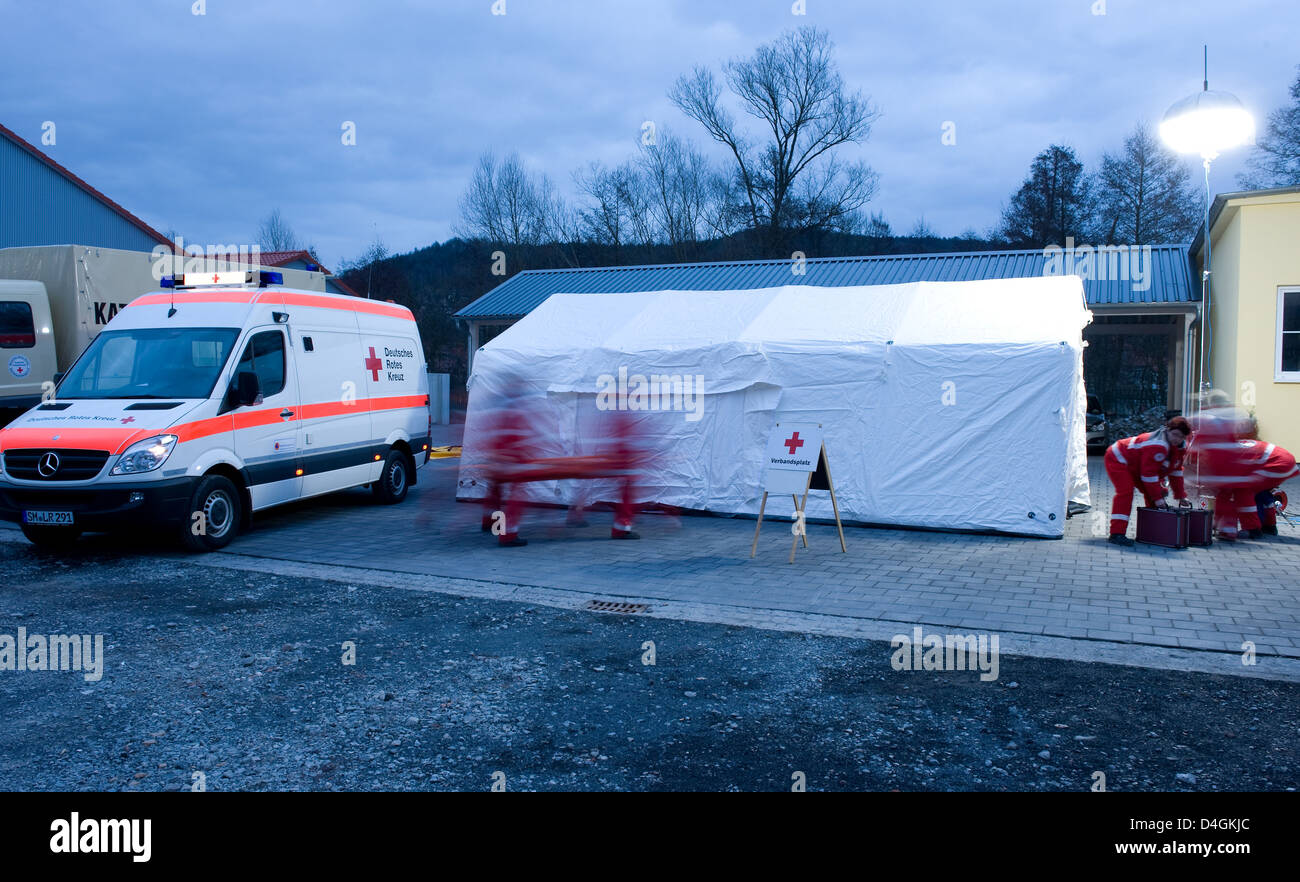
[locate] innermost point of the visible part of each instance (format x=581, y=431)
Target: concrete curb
x=1267, y=667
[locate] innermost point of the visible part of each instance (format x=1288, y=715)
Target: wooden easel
x=820, y=479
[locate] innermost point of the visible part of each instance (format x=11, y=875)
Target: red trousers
x=499, y=492
x=1240, y=502
x=1125, y=485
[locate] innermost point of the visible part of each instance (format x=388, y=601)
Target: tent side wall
x=968, y=436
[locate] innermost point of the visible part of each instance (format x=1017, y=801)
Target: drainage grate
x=612, y=607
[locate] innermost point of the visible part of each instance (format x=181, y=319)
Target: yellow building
x=1252, y=344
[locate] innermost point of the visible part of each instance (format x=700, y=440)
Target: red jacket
x=1261, y=462
x=1151, y=459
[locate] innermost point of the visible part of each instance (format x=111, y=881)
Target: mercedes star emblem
x=48, y=464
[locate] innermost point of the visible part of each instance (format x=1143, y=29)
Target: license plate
x=47, y=517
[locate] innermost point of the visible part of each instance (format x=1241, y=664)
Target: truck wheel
x=53, y=538
x=217, y=499
x=394, y=480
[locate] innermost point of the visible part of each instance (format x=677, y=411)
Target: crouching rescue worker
x=1145, y=462
x=1245, y=493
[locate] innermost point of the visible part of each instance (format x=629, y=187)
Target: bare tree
x=605, y=219
x=503, y=202
x=1144, y=194
x=1275, y=162
x=922, y=229
x=678, y=184
x=787, y=177
x=275, y=234
x=507, y=204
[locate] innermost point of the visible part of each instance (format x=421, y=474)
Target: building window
x=1287, y=369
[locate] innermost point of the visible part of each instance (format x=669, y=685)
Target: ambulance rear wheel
x=214, y=515
x=394, y=480
x=53, y=538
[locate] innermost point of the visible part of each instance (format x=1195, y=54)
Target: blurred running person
x=1245, y=487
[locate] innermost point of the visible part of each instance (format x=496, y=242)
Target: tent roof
x=1005, y=311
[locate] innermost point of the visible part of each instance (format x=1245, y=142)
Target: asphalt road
x=240, y=677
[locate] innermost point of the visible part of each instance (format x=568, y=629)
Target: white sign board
x=792, y=453
x=793, y=456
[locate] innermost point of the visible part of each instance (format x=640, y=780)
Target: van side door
x=338, y=448
x=268, y=433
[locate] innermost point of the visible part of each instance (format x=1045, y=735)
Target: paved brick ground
x=1079, y=587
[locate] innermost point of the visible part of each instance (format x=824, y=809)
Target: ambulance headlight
x=145, y=456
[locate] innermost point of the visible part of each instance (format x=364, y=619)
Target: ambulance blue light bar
x=167, y=282
x=270, y=278
x=230, y=277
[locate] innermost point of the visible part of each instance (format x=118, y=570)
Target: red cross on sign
x=794, y=442
x=373, y=364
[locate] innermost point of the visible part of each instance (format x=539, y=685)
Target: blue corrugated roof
x=1169, y=277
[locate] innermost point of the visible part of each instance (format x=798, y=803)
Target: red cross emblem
x=215, y=278
x=126, y=420
x=794, y=442
x=373, y=364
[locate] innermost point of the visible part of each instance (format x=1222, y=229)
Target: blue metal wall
x=39, y=206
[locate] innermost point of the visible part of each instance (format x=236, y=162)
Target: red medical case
x=1173, y=527
x=1200, y=526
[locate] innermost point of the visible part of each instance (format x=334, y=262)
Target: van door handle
x=286, y=413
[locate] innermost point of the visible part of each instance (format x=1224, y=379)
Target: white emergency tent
x=950, y=405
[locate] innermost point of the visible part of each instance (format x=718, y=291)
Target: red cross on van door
x=373, y=364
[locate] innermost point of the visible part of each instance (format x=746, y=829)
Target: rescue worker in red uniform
x=1213, y=463
x=510, y=436
x=1146, y=462
x=1243, y=485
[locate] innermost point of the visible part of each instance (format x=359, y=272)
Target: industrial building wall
x=38, y=206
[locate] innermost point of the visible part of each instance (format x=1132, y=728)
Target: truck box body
x=85, y=287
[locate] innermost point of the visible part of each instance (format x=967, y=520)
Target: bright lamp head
x=1207, y=123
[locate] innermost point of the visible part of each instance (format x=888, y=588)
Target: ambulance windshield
x=150, y=363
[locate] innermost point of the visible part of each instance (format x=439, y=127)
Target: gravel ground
x=240, y=676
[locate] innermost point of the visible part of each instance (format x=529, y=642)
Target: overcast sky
x=202, y=124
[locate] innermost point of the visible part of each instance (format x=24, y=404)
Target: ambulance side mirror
x=246, y=388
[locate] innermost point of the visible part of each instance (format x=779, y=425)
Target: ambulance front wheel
x=394, y=480
x=214, y=515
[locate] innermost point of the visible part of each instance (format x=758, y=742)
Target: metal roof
x=42, y=203
x=1221, y=202
x=1169, y=277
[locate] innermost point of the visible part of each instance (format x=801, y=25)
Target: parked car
x=1096, y=428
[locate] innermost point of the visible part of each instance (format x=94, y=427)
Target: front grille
x=73, y=465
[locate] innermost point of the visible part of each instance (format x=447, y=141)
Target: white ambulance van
x=199, y=405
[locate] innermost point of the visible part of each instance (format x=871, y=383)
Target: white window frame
x=1279, y=375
